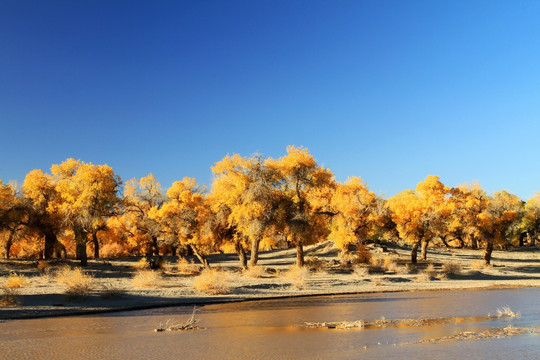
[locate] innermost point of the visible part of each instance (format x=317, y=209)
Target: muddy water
x=273, y=330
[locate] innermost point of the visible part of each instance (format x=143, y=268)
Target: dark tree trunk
x=96, y=244
x=201, y=257
x=80, y=246
x=487, y=252
x=474, y=243
x=532, y=240
x=414, y=253
x=50, y=242
x=424, y=249
x=173, y=250
x=445, y=243
x=7, y=245
x=241, y=255
x=155, y=249
x=254, y=251
x=299, y=254
x=461, y=243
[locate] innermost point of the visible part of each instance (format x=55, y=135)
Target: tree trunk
x=80, y=246
x=461, y=243
x=424, y=249
x=241, y=255
x=487, y=252
x=522, y=239
x=414, y=253
x=96, y=244
x=7, y=245
x=299, y=254
x=173, y=250
x=201, y=257
x=474, y=243
x=445, y=243
x=254, y=251
x=154, y=249
x=532, y=240
x=50, y=242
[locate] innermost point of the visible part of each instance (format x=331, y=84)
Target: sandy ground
x=42, y=295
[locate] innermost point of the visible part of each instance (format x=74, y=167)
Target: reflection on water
x=274, y=329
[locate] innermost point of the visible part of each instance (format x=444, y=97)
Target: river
x=273, y=329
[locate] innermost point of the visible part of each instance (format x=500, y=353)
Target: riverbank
x=113, y=287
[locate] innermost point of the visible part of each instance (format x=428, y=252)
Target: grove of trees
x=253, y=203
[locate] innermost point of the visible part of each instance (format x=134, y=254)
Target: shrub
x=110, y=291
x=430, y=271
x=477, y=265
x=451, y=268
x=9, y=298
x=146, y=278
x=213, y=282
x=15, y=281
x=43, y=265
x=142, y=264
x=255, y=272
x=187, y=268
x=297, y=276
x=314, y=263
x=363, y=256
x=77, y=283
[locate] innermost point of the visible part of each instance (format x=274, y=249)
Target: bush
x=297, y=276
x=314, y=263
x=77, y=283
x=15, y=281
x=213, y=282
x=142, y=264
x=451, y=268
x=187, y=268
x=146, y=278
x=9, y=298
x=255, y=272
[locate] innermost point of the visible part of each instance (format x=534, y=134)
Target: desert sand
x=114, y=290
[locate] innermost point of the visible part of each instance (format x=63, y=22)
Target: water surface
x=272, y=329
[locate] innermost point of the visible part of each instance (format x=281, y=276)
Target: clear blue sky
x=387, y=90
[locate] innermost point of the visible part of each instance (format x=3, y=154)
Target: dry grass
x=255, y=272
x=15, y=281
x=43, y=265
x=363, y=256
x=142, y=264
x=451, y=268
x=314, y=263
x=146, y=279
x=296, y=276
x=361, y=271
x=213, y=282
x=9, y=298
x=477, y=265
x=505, y=311
x=77, y=282
x=187, y=268
x=423, y=277
x=110, y=291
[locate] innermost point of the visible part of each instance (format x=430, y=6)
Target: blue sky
x=391, y=91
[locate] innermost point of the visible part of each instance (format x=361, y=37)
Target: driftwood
x=171, y=325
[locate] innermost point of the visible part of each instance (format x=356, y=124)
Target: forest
x=81, y=210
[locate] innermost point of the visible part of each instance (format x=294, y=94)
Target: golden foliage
x=213, y=282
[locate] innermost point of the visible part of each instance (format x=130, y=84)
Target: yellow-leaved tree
x=140, y=196
x=530, y=223
x=305, y=191
x=422, y=214
x=244, y=195
x=356, y=217
x=89, y=194
x=494, y=223
x=184, y=216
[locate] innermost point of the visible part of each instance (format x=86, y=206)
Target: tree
x=422, y=214
x=305, y=191
x=244, y=193
x=469, y=201
x=89, y=194
x=140, y=196
x=356, y=218
x=531, y=219
x=501, y=212
x=184, y=216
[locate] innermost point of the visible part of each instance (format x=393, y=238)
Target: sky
x=391, y=91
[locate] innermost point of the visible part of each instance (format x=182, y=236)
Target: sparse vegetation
x=296, y=276
x=451, y=268
x=76, y=282
x=213, y=282
x=255, y=272
x=9, y=297
x=146, y=279
x=187, y=268
x=171, y=325
x=15, y=281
